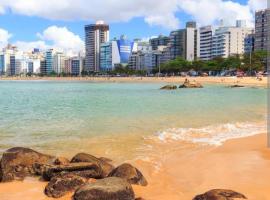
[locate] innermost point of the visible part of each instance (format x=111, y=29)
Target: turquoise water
x=65, y=116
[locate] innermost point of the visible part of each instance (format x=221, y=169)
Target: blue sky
x=24, y=19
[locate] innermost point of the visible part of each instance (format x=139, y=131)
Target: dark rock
x=18, y=163
x=61, y=161
x=236, y=86
x=169, y=87
x=219, y=194
x=105, y=166
x=106, y=189
x=62, y=184
x=130, y=173
x=193, y=84
x=86, y=170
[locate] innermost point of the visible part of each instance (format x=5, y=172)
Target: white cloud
x=154, y=12
x=207, y=12
x=58, y=38
x=62, y=39
x=257, y=4
x=29, y=46
x=4, y=37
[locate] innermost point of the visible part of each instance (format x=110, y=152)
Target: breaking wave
x=212, y=135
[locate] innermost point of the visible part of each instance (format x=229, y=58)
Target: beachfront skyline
x=61, y=24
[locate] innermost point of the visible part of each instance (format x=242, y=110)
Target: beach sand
x=246, y=81
x=240, y=164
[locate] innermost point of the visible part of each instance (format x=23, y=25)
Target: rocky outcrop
x=18, y=163
x=220, y=194
x=169, y=87
x=106, y=189
x=130, y=173
x=189, y=84
x=61, y=161
x=106, y=167
x=86, y=170
x=62, y=184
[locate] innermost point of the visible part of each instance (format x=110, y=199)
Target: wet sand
x=246, y=81
x=241, y=164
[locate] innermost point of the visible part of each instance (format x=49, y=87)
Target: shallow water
x=119, y=119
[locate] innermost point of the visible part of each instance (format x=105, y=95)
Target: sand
x=241, y=164
x=246, y=81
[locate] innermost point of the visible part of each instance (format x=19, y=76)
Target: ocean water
x=119, y=119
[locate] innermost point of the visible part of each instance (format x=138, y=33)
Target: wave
x=212, y=135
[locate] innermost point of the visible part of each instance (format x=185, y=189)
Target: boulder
x=61, y=161
x=112, y=188
x=193, y=84
x=130, y=173
x=169, y=87
x=62, y=184
x=220, y=194
x=86, y=170
x=84, y=157
x=18, y=163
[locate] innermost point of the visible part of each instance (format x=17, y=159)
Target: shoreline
x=245, y=81
x=239, y=164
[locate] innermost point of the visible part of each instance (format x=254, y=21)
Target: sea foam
x=212, y=135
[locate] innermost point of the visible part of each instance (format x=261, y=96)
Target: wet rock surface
x=130, y=173
x=86, y=170
x=111, y=188
x=18, y=163
x=220, y=194
x=62, y=184
x=105, y=166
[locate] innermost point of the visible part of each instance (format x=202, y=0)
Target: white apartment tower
x=228, y=41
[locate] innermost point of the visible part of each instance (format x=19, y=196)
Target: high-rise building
x=159, y=41
x=76, y=66
x=43, y=70
x=206, y=39
x=58, y=62
x=115, y=52
x=95, y=35
x=49, y=61
x=262, y=29
x=178, y=44
x=184, y=42
x=229, y=41
x=12, y=67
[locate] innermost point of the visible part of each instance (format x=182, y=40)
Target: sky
x=60, y=24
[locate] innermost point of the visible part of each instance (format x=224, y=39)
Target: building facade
x=159, y=41
x=49, y=61
x=58, y=62
x=229, y=41
x=206, y=41
x=262, y=29
x=116, y=52
x=95, y=35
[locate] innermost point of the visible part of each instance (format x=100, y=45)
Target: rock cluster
x=191, y=84
x=186, y=84
x=87, y=176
